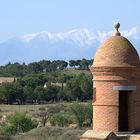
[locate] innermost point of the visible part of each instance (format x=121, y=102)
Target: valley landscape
x=69, y=69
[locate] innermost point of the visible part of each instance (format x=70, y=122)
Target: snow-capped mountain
x=73, y=44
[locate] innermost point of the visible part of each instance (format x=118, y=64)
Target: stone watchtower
x=116, y=80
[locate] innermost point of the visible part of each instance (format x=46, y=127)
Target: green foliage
x=89, y=114
x=20, y=70
x=22, y=122
x=40, y=93
x=28, y=93
x=52, y=92
x=60, y=119
x=77, y=113
x=15, y=69
x=46, y=114
x=81, y=64
x=79, y=88
x=9, y=92
x=18, y=122
x=34, y=68
x=29, y=87
x=2, y=92
x=82, y=113
x=33, y=80
x=85, y=84
x=8, y=129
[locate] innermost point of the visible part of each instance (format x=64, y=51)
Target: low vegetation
x=82, y=114
x=73, y=115
x=18, y=122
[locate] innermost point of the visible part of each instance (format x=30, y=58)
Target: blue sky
x=19, y=17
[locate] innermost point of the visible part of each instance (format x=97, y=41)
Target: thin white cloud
x=132, y=33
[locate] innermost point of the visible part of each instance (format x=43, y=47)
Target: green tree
x=40, y=93
x=84, y=64
x=28, y=94
x=85, y=83
x=10, y=93
x=15, y=70
x=45, y=64
x=34, y=67
x=52, y=93
x=72, y=63
x=18, y=89
x=61, y=64
x=34, y=80
x=2, y=93
x=82, y=113
x=52, y=66
x=73, y=89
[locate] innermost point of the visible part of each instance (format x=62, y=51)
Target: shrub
x=60, y=119
x=8, y=129
x=18, y=122
x=89, y=114
x=82, y=113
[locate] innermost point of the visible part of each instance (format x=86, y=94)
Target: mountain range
x=72, y=44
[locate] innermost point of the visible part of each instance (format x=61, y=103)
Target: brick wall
x=106, y=100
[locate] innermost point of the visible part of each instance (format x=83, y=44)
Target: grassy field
x=8, y=109
x=42, y=133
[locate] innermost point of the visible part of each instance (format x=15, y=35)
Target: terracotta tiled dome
x=116, y=51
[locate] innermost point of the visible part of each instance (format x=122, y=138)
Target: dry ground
x=50, y=133
x=42, y=133
x=8, y=109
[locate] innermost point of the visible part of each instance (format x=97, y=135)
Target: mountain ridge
x=72, y=44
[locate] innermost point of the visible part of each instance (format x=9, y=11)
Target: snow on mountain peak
x=78, y=36
x=60, y=45
x=28, y=37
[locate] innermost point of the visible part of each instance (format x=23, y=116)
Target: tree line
x=30, y=88
x=20, y=70
x=36, y=82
